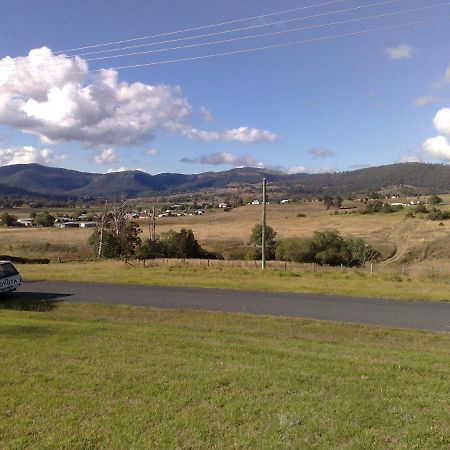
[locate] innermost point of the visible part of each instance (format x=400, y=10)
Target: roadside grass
x=97, y=376
x=334, y=283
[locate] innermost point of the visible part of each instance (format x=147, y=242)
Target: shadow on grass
x=31, y=301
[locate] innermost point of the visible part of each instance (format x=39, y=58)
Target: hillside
x=33, y=180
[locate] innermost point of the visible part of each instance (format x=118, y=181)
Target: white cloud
x=151, y=152
x=304, y=169
x=222, y=158
x=106, y=156
x=244, y=135
x=28, y=155
x=409, y=159
x=123, y=169
x=403, y=51
x=206, y=115
x=426, y=100
x=55, y=97
x=321, y=153
x=442, y=121
x=438, y=148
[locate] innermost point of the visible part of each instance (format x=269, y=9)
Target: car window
x=7, y=270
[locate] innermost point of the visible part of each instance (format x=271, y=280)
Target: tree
x=434, y=200
x=256, y=236
x=117, y=235
x=44, y=219
x=328, y=201
x=7, y=220
x=256, y=239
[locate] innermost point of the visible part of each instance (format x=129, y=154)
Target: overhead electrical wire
x=273, y=33
x=250, y=27
x=262, y=35
x=186, y=30
x=267, y=47
x=371, y=5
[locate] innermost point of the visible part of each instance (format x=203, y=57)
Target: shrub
x=434, y=200
x=326, y=247
x=438, y=214
x=44, y=219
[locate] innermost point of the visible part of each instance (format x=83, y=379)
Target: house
x=25, y=222
x=88, y=224
x=67, y=224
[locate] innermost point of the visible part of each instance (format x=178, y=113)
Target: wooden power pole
x=263, y=230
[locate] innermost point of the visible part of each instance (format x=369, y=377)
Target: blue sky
x=332, y=104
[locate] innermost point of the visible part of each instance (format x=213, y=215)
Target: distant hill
x=34, y=180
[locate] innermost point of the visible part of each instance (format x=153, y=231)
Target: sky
x=331, y=85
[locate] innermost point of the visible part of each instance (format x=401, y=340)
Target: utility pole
x=263, y=230
x=102, y=227
x=153, y=237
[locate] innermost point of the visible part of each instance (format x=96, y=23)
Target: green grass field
x=390, y=285
x=91, y=376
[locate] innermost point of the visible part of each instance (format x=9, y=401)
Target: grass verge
x=94, y=376
x=334, y=283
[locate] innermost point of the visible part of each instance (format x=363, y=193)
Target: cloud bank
x=28, y=155
x=439, y=147
x=225, y=158
x=57, y=99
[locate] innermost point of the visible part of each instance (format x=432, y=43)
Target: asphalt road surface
x=392, y=313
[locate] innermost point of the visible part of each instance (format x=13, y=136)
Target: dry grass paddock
x=403, y=240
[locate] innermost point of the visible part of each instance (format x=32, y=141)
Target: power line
x=14, y=64
x=311, y=27
x=281, y=45
x=250, y=27
x=267, y=47
x=186, y=30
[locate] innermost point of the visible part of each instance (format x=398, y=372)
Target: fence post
x=371, y=269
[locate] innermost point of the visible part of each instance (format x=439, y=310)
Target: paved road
x=392, y=313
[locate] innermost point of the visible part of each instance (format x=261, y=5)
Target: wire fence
x=402, y=270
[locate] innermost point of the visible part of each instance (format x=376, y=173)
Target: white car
x=10, y=278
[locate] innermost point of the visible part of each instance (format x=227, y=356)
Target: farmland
x=406, y=240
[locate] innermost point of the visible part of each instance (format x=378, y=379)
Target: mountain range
x=37, y=181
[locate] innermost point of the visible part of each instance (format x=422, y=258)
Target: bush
x=115, y=245
x=421, y=209
x=44, y=219
x=174, y=244
x=299, y=250
x=434, y=200
x=438, y=214
x=8, y=220
x=326, y=247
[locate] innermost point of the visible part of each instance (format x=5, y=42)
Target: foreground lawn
x=336, y=283
x=92, y=376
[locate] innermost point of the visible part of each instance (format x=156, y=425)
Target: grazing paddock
x=400, y=239
x=69, y=244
